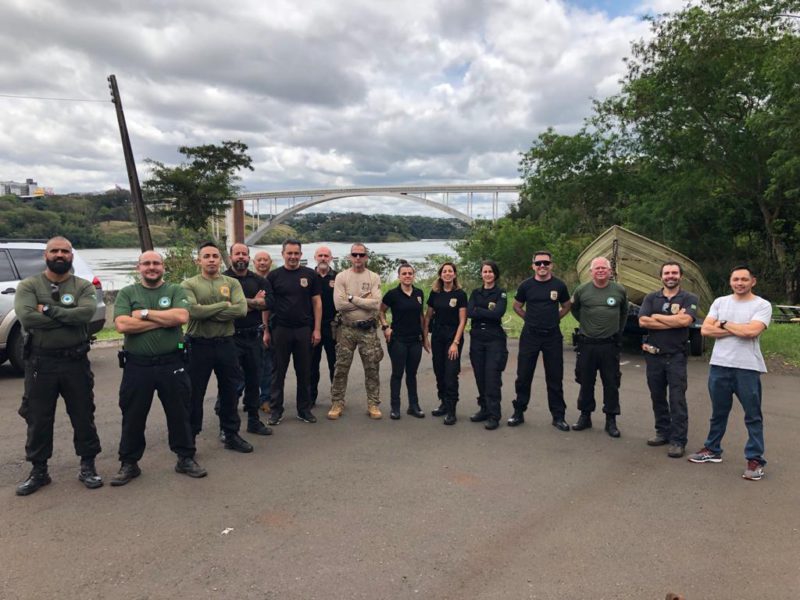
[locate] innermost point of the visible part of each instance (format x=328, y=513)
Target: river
x=115, y=266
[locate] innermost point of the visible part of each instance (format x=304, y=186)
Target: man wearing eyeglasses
x=323, y=257
x=357, y=297
x=55, y=308
x=546, y=301
x=601, y=307
x=297, y=312
x=150, y=314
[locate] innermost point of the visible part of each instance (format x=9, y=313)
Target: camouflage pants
x=371, y=352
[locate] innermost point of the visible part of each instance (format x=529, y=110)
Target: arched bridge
x=299, y=200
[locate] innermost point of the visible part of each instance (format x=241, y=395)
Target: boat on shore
x=636, y=262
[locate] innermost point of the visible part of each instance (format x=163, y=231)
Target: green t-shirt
x=601, y=312
x=214, y=304
x=137, y=297
x=71, y=306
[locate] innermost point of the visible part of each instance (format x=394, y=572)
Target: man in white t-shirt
x=736, y=322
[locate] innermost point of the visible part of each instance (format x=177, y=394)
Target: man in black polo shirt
x=248, y=333
x=298, y=317
x=667, y=315
x=323, y=257
x=546, y=300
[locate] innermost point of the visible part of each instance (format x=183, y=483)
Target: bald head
x=323, y=257
x=151, y=269
x=262, y=262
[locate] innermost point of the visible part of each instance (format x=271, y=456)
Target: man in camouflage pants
x=357, y=297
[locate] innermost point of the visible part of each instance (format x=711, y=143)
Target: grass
x=108, y=333
x=782, y=340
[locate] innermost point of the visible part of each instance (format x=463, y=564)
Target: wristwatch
x=722, y=324
x=144, y=314
x=45, y=308
x=350, y=298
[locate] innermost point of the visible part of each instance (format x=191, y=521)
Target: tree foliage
x=699, y=150
x=191, y=193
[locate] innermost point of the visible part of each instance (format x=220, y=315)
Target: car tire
x=14, y=348
x=696, y=342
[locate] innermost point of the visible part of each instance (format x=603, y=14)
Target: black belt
x=208, y=341
x=74, y=352
x=365, y=325
x=149, y=361
x=582, y=339
x=543, y=331
x=248, y=331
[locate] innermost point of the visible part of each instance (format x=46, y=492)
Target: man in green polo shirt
x=150, y=314
x=215, y=302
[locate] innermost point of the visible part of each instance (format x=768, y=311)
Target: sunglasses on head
x=358, y=254
x=542, y=263
x=55, y=292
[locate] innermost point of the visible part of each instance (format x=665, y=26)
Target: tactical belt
x=73, y=353
x=363, y=325
x=582, y=339
x=249, y=331
x=200, y=341
x=149, y=361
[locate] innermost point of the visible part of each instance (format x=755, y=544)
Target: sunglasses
x=358, y=254
x=542, y=263
x=55, y=292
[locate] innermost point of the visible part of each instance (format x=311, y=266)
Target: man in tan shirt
x=357, y=297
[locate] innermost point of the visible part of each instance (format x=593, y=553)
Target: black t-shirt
x=669, y=341
x=293, y=291
x=487, y=308
x=326, y=291
x=446, y=306
x=406, y=312
x=542, y=300
x=251, y=284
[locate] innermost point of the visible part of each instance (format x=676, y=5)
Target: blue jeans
x=723, y=383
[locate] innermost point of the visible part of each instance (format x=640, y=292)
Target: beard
x=241, y=265
x=59, y=266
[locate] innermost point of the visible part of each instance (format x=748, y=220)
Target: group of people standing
x=246, y=326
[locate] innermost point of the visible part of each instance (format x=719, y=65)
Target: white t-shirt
x=734, y=351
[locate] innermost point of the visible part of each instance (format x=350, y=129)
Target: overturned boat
x=636, y=262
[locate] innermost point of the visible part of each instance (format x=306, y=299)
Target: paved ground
x=412, y=509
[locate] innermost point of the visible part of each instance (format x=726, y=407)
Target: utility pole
x=145, y=241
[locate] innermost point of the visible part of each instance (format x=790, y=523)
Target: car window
x=29, y=261
x=6, y=272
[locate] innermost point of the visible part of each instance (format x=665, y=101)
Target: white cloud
x=325, y=93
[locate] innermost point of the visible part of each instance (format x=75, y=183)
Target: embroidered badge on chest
x=67, y=299
x=303, y=282
x=553, y=295
x=674, y=308
x=453, y=302
x=164, y=302
x=611, y=301
x=225, y=291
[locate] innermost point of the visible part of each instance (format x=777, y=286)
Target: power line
x=49, y=98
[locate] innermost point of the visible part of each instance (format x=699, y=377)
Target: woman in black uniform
x=446, y=319
x=487, y=346
x=404, y=339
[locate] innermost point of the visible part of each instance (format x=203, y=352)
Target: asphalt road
x=412, y=509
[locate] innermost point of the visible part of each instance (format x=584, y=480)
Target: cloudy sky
x=325, y=93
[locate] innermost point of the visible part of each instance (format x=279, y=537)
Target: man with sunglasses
x=55, y=308
x=546, y=301
x=150, y=314
x=357, y=296
x=323, y=257
x=601, y=307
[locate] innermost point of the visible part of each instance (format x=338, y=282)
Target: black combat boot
x=611, y=426
x=88, y=474
x=188, y=466
x=441, y=410
x=127, y=472
x=254, y=424
x=415, y=411
x=38, y=478
x=584, y=422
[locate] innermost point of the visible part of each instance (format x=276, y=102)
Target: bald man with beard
x=323, y=257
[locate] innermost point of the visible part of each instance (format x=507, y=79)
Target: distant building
x=29, y=189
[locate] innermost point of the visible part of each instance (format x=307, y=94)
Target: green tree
x=191, y=193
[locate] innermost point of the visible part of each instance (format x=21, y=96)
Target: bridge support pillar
x=234, y=222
